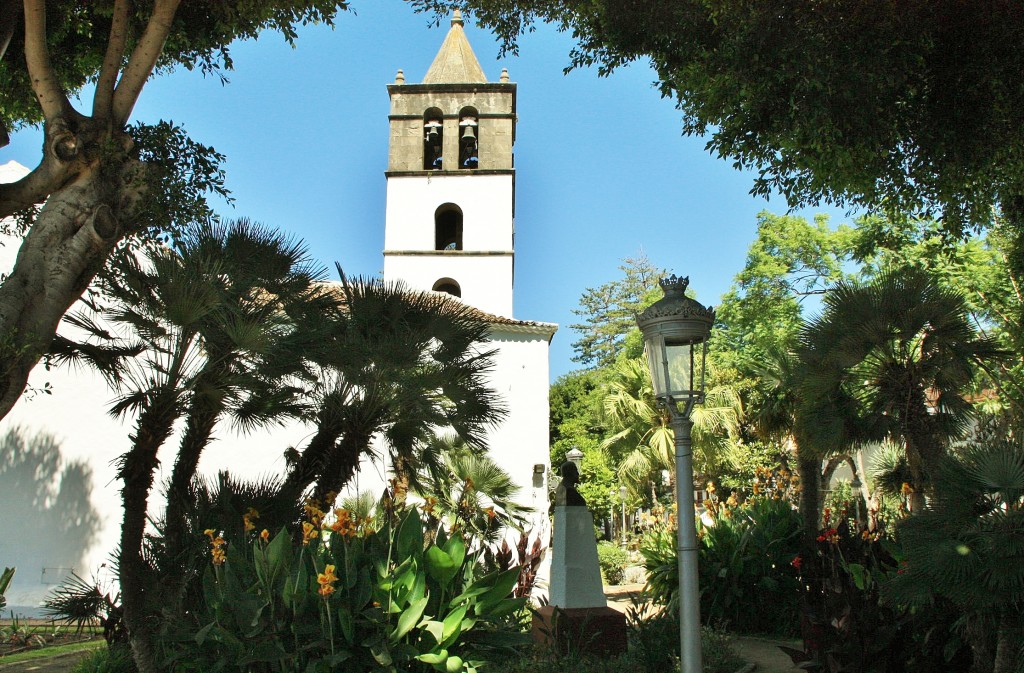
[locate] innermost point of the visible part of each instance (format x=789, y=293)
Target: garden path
x=761, y=651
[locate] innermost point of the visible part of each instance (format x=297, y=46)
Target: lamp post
x=575, y=456
x=623, y=492
x=676, y=330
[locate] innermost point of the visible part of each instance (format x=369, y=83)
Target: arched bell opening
x=469, y=138
x=448, y=286
x=448, y=227
x=433, y=139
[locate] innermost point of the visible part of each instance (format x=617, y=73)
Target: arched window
x=433, y=139
x=448, y=286
x=469, y=138
x=448, y=227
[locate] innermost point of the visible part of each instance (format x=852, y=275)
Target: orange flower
x=491, y=513
x=217, y=545
x=248, y=518
x=309, y=532
x=326, y=580
x=265, y=535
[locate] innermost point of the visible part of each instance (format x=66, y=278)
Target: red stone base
x=599, y=631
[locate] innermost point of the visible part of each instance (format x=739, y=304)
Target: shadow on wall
x=47, y=521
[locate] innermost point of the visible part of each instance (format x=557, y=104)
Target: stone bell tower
x=450, y=181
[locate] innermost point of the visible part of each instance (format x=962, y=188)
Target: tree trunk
x=204, y=413
x=1007, y=642
x=137, y=472
x=64, y=249
x=809, y=469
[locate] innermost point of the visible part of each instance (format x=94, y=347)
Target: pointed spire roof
x=455, y=62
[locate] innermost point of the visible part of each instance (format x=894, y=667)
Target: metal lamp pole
x=676, y=330
x=691, y=654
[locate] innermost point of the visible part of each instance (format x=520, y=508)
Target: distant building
x=449, y=228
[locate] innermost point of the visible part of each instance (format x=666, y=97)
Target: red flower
x=796, y=562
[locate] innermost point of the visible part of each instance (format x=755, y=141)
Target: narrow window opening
x=448, y=286
x=469, y=138
x=433, y=139
x=448, y=227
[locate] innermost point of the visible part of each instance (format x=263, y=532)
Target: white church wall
x=485, y=200
x=485, y=282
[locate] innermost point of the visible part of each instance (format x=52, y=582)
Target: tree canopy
x=913, y=106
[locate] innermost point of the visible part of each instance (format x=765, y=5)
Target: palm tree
x=191, y=332
x=776, y=417
x=967, y=546
x=892, y=358
x=467, y=490
x=642, y=429
x=274, y=308
x=402, y=366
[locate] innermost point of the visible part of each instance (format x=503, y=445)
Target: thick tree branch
x=104, y=99
x=8, y=20
x=33, y=188
x=143, y=59
x=52, y=99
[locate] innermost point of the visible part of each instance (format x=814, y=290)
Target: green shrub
x=116, y=659
x=747, y=579
x=613, y=560
x=360, y=600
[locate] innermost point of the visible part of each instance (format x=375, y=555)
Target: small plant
x=5, y=581
x=343, y=596
x=613, y=561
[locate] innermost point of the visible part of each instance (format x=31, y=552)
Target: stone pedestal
x=598, y=631
x=578, y=618
x=575, y=572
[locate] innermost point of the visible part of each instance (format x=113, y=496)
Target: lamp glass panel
x=656, y=363
x=679, y=367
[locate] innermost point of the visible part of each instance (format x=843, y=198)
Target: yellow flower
x=906, y=489
x=265, y=535
x=309, y=532
x=217, y=545
x=326, y=580
x=248, y=519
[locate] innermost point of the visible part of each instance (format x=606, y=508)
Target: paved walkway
x=763, y=652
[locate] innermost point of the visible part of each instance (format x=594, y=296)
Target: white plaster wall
x=486, y=281
x=485, y=200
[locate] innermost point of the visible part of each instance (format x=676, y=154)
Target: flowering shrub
x=341, y=595
x=747, y=577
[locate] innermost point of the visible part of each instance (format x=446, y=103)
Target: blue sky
x=603, y=170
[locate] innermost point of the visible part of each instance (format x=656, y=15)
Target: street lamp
x=623, y=492
x=575, y=456
x=676, y=330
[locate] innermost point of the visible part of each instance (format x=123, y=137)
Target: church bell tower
x=449, y=223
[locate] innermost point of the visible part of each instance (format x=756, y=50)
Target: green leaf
x=456, y=549
x=408, y=619
x=504, y=582
x=440, y=566
x=200, y=637
x=453, y=665
x=409, y=541
x=858, y=574
x=434, y=659
x=453, y=625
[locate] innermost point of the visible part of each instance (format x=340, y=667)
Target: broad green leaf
x=858, y=574
x=434, y=659
x=408, y=619
x=453, y=665
x=456, y=549
x=409, y=541
x=440, y=566
x=453, y=624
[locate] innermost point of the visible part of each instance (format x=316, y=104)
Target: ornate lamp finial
x=457, y=17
